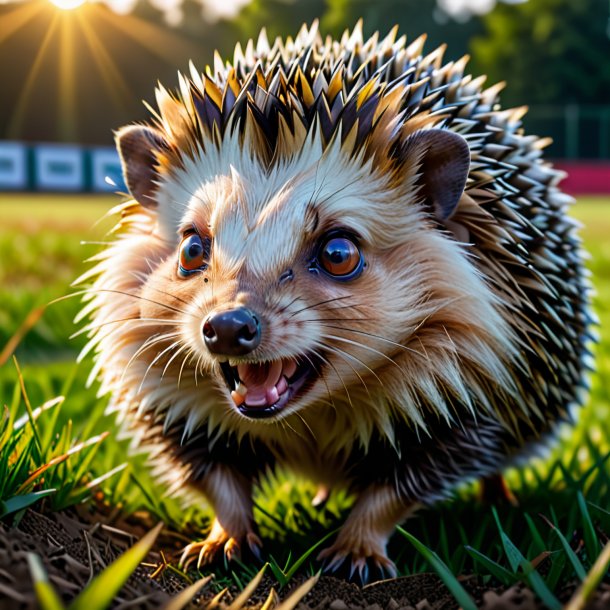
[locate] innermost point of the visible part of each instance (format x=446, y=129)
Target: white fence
x=59, y=167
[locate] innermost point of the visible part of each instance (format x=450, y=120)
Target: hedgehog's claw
x=254, y=544
x=231, y=549
x=322, y=494
x=205, y=551
x=219, y=542
x=360, y=565
x=332, y=558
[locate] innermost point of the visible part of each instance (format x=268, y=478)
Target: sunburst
x=77, y=51
x=67, y=5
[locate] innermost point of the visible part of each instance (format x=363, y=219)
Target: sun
x=67, y=5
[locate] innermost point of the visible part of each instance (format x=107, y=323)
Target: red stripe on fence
x=592, y=178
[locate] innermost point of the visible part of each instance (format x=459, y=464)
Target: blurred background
x=71, y=71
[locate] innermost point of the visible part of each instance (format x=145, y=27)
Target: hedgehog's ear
x=137, y=146
x=444, y=160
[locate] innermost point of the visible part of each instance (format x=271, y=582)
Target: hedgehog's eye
x=339, y=256
x=194, y=253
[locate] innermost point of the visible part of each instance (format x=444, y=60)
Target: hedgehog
x=340, y=258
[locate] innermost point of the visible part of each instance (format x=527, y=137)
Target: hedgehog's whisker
x=339, y=376
x=184, y=346
x=374, y=336
x=369, y=348
x=140, y=275
x=198, y=368
x=294, y=313
x=285, y=424
x=94, y=326
x=150, y=342
x=337, y=320
x=322, y=377
x=311, y=432
x=285, y=307
x=156, y=359
x=188, y=356
x=137, y=296
x=344, y=354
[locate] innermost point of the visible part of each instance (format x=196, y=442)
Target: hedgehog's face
x=316, y=282
x=282, y=279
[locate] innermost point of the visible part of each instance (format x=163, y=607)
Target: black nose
x=234, y=332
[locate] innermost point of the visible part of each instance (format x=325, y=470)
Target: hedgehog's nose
x=234, y=332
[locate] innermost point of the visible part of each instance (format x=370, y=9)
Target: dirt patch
x=73, y=550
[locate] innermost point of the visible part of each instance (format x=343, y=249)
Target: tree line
x=96, y=66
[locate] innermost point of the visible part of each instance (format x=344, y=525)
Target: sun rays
x=67, y=5
x=26, y=92
x=68, y=60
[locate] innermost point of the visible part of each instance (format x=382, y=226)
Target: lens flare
x=67, y=5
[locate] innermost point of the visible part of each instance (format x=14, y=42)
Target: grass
x=60, y=451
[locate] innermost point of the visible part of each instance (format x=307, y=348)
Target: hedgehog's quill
x=343, y=257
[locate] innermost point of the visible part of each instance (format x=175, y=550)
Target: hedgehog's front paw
x=363, y=559
x=207, y=551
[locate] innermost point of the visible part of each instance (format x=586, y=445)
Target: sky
x=216, y=9
x=211, y=9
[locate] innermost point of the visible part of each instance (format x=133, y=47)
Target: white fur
x=261, y=224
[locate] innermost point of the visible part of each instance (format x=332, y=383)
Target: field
x=560, y=524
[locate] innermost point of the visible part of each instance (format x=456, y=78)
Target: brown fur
x=459, y=346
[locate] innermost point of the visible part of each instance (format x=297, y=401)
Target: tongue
x=260, y=379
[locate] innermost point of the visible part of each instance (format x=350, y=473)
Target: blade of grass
x=536, y=537
x=28, y=408
x=17, y=503
x=553, y=577
x=452, y=583
x=495, y=569
x=7, y=428
x=590, y=536
x=185, y=596
x=576, y=564
x=45, y=593
x=85, y=461
x=272, y=600
x=215, y=601
x=60, y=458
x=298, y=594
x=101, y=591
x=519, y=562
x=587, y=588
x=245, y=595
x=599, y=508
x=12, y=344
x=301, y=560
x=278, y=572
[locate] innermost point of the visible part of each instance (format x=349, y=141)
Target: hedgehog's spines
x=369, y=97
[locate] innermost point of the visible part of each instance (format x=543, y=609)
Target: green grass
x=552, y=537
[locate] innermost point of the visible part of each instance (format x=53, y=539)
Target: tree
x=549, y=51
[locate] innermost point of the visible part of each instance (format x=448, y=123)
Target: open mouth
x=263, y=389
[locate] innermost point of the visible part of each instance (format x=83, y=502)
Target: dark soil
x=73, y=550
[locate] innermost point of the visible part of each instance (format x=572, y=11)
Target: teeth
x=275, y=372
x=282, y=385
x=272, y=395
x=290, y=369
x=262, y=393
x=257, y=402
x=238, y=399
